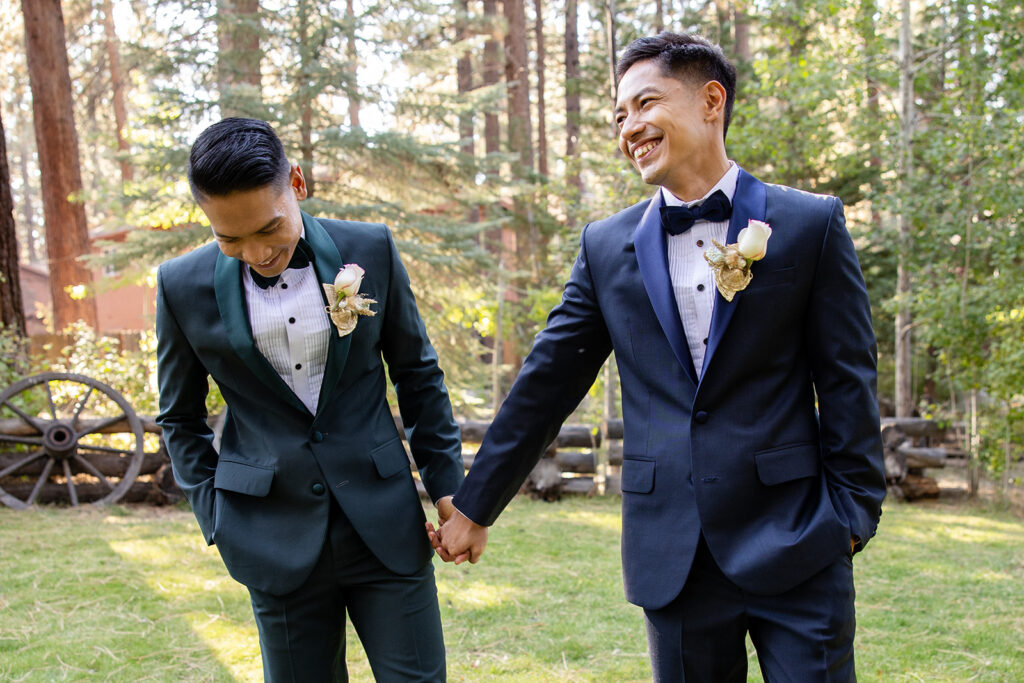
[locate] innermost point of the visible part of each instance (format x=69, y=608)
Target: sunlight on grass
x=134, y=594
x=477, y=595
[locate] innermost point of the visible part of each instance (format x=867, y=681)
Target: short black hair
x=236, y=154
x=687, y=57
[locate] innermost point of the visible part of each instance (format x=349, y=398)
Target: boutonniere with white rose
x=347, y=304
x=731, y=263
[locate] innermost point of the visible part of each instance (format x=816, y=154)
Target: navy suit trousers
x=804, y=635
x=302, y=634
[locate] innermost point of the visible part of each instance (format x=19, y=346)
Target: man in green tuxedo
x=310, y=499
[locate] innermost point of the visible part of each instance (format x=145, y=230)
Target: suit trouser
x=302, y=634
x=804, y=635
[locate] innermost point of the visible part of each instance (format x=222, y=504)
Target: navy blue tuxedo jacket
x=264, y=498
x=773, y=452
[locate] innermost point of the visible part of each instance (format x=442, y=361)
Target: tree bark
x=609, y=32
x=904, y=380
x=659, y=16
x=67, y=235
x=305, y=98
x=27, y=211
x=464, y=76
x=117, y=84
x=741, y=27
x=542, y=132
x=492, y=76
x=238, y=58
x=12, y=314
x=517, y=76
x=572, y=100
x=353, y=64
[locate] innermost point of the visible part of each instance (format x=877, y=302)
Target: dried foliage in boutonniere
x=731, y=263
x=346, y=302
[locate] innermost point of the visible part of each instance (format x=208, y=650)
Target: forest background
x=480, y=131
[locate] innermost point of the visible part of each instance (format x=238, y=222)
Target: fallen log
x=918, y=457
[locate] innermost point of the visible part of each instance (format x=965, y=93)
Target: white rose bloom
x=348, y=280
x=752, y=241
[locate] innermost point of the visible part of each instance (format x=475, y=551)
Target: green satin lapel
x=227, y=281
x=328, y=263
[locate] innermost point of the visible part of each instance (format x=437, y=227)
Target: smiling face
x=260, y=226
x=671, y=130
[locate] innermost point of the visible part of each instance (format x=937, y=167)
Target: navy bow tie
x=678, y=219
x=301, y=257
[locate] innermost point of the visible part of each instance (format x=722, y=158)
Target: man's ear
x=297, y=182
x=713, y=97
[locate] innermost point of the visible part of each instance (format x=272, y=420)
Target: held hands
x=457, y=537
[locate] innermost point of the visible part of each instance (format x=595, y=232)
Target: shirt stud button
x=291, y=321
x=700, y=288
x=298, y=366
x=700, y=243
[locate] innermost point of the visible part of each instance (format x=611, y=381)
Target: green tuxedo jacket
x=264, y=498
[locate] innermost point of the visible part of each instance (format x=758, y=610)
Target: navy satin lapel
x=652, y=258
x=748, y=204
x=227, y=283
x=328, y=263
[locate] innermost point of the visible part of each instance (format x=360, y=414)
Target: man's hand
x=458, y=538
x=445, y=509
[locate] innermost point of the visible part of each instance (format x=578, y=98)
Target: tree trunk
x=238, y=58
x=117, y=83
x=741, y=26
x=464, y=76
x=353, y=64
x=659, y=16
x=67, y=235
x=27, y=211
x=492, y=76
x=517, y=76
x=305, y=97
x=12, y=314
x=572, y=101
x=609, y=32
x=904, y=354
x=542, y=131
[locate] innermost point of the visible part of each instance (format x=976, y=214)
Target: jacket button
x=700, y=417
x=318, y=437
x=318, y=489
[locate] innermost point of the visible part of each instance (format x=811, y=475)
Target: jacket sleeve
x=183, y=383
x=423, y=401
x=841, y=342
x=556, y=375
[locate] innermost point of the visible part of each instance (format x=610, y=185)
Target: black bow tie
x=678, y=219
x=301, y=257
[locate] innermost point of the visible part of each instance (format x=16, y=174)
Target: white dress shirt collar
x=727, y=184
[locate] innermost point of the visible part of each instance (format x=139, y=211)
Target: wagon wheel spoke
x=103, y=424
x=30, y=440
x=93, y=471
x=49, y=400
x=28, y=419
x=39, y=484
x=81, y=405
x=72, y=493
x=104, y=449
x=24, y=461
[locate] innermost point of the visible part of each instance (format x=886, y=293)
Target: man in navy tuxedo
x=310, y=499
x=752, y=462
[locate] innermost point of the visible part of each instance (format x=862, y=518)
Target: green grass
x=133, y=594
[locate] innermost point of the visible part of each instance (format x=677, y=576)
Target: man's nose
x=632, y=126
x=255, y=254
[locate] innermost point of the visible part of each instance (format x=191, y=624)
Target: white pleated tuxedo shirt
x=693, y=284
x=291, y=329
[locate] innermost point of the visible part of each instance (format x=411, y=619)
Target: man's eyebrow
x=646, y=90
x=270, y=224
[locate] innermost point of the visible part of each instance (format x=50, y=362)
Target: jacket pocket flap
x=240, y=477
x=786, y=463
x=637, y=475
x=390, y=458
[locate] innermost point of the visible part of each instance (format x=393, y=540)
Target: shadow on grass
x=91, y=594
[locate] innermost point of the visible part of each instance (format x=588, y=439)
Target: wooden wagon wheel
x=61, y=431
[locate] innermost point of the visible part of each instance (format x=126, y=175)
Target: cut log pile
x=913, y=445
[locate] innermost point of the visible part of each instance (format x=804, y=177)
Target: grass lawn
x=133, y=594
